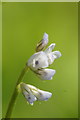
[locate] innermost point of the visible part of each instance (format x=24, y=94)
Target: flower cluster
x=42, y=59
x=38, y=63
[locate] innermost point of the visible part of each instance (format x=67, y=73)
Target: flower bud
x=41, y=45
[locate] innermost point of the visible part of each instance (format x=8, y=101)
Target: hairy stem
x=15, y=94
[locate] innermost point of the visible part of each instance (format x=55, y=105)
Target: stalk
x=15, y=94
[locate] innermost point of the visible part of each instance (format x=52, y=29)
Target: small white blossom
x=46, y=74
x=43, y=59
x=32, y=93
x=38, y=60
x=40, y=94
x=42, y=43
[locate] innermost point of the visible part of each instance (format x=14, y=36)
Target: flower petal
x=42, y=95
x=38, y=60
x=29, y=96
x=45, y=37
x=27, y=93
x=42, y=43
x=50, y=48
x=52, y=56
x=46, y=74
x=57, y=54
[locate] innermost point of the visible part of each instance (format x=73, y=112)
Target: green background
x=23, y=26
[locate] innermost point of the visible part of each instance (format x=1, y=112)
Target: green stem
x=15, y=94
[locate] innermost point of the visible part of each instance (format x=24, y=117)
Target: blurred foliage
x=23, y=26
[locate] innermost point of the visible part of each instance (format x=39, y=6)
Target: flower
x=41, y=45
x=31, y=93
x=42, y=59
x=38, y=60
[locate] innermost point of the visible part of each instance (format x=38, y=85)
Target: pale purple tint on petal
x=42, y=95
x=45, y=37
x=52, y=56
x=29, y=96
x=46, y=74
x=57, y=54
x=50, y=48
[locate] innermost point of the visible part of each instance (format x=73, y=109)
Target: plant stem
x=15, y=94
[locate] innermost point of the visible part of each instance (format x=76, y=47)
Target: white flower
x=46, y=74
x=43, y=59
x=38, y=60
x=42, y=43
x=32, y=93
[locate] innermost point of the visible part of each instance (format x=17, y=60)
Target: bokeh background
x=23, y=26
